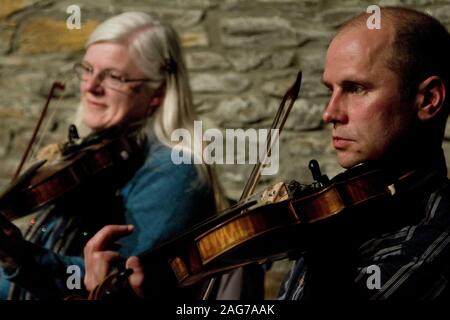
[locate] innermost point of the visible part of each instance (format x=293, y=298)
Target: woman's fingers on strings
x=137, y=277
x=104, y=238
x=98, y=266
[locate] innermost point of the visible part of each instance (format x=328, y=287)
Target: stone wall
x=242, y=56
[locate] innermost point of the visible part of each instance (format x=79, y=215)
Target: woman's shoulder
x=159, y=157
x=159, y=168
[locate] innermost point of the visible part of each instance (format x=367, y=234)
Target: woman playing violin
x=132, y=72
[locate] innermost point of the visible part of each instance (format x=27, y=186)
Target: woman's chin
x=94, y=124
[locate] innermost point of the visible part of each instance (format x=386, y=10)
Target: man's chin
x=346, y=161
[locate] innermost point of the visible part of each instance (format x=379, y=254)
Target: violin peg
x=317, y=175
x=315, y=169
x=73, y=134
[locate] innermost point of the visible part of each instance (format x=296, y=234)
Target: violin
x=103, y=159
x=264, y=227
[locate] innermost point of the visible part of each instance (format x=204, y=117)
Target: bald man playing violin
x=388, y=106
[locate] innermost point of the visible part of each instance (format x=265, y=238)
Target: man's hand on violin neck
x=98, y=256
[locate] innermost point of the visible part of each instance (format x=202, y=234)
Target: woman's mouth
x=96, y=104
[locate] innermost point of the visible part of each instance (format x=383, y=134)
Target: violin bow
x=278, y=124
x=55, y=85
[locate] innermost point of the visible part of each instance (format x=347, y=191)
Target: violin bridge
x=391, y=189
x=275, y=193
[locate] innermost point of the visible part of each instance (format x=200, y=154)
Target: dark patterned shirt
x=410, y=261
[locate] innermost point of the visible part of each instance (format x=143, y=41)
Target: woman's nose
x=93, y=84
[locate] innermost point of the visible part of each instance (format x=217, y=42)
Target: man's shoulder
x=438, y=205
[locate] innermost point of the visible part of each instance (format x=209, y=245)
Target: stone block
x=310, y=87
x=205, y=60
x=337, y=16
x=239, y=112
x=8, y=7
x=247, y=60
x=5, y=137
x=6, y=34
x=447, y=130
x=181, y=18
x=312, y=61
x=442, y=14
x=44, y=35
x=219, y=83
x=260, y=31
x=194, y=38
x=304, y=115
x=252, y=60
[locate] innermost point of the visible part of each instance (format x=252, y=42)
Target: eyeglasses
x=110, y=78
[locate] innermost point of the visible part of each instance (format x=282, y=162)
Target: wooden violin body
x=266, y=227
x=103, y=160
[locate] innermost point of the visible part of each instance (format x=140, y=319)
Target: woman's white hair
x=155, y=46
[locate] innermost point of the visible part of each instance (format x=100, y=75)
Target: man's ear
x=158, y=96
x=430, y=98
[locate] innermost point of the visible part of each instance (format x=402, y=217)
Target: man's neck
x=425, y=159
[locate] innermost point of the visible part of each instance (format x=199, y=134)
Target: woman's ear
x=158, y=96
x=430, y=98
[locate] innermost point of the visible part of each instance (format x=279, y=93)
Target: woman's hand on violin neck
x=136, y=279
x=12, y=245
x=98, y=257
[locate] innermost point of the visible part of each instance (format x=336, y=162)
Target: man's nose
x=335, y=111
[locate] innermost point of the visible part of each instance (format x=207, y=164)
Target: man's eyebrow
x=346, y=82
x=350, y=82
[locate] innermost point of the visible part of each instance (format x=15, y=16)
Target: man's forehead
x=376, y=39
x=356, y=55
x=360, y=45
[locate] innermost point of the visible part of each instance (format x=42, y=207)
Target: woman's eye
x=116, y=77
x=87, y=69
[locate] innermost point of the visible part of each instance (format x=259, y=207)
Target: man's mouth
x=340, y=142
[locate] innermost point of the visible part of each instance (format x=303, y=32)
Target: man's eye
x=355, y=89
